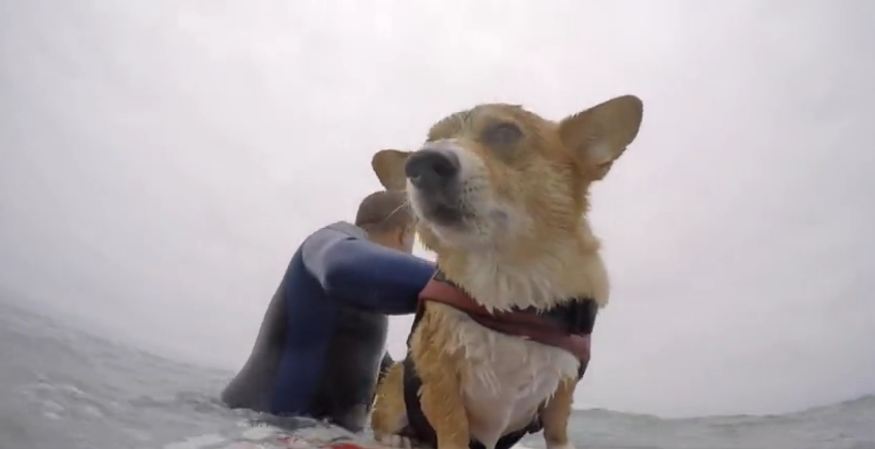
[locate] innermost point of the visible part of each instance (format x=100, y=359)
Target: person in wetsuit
x=321, y=345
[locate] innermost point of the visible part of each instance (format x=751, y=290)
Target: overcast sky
x=160, y=162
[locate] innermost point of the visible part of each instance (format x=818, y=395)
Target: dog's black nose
x=431, y=169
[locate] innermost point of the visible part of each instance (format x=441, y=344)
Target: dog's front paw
x=394, y=440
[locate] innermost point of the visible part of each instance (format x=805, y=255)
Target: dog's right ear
x=600, y=134
x=389, y=167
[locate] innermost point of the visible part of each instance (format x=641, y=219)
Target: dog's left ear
x=599, y=135
x=389, y=167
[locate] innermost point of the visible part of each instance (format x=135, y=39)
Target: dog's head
x=500, y=180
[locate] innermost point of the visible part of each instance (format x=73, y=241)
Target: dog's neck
x=557, y=270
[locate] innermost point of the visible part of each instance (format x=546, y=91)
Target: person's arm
x=364, y=274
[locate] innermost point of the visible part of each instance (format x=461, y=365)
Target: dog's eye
x=503, y=134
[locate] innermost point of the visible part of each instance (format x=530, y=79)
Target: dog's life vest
x=567, y=326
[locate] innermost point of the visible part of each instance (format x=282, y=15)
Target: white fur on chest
x=505, y=378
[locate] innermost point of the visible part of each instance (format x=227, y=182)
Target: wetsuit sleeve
x=366, y=275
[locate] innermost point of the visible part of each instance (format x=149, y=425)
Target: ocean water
x=61, y=388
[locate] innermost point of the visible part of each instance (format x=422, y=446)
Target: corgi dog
x=501, y=195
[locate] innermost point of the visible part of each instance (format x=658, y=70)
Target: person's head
x=387, y=219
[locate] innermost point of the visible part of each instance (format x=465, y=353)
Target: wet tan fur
x=544, y=180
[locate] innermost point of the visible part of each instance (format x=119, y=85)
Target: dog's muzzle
x=432, y=170
x=434, y=175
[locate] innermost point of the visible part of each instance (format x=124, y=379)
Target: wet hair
x=384, y=211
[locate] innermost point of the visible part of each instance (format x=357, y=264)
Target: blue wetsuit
x=322, y=340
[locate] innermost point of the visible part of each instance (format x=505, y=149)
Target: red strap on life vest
x=523, y=324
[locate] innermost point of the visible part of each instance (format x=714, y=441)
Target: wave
x=61, y=387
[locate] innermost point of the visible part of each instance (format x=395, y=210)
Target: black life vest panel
x=576, y=316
